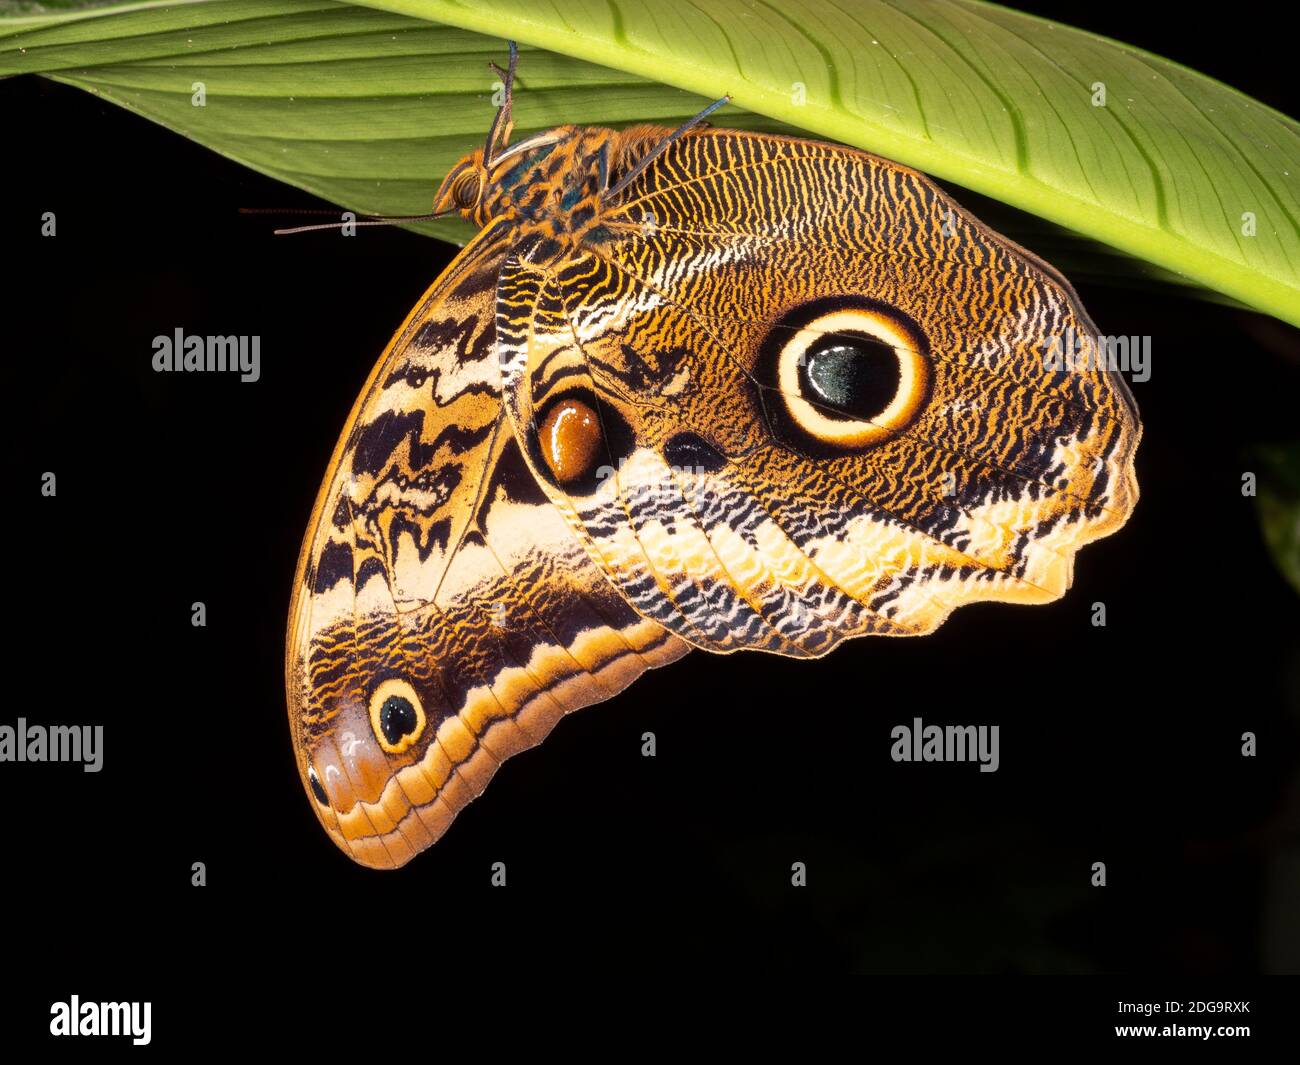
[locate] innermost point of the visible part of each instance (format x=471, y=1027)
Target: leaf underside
x=368, y=106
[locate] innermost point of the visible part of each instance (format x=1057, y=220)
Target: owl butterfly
x=693, y=389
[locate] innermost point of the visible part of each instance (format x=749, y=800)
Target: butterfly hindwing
x=755, y=506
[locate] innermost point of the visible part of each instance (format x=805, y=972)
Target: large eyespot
x=396, y=715
x=848, y=374
x=577, y=439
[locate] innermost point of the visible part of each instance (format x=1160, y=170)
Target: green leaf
x=995, y=100
x=361, y=107
x=368, y=108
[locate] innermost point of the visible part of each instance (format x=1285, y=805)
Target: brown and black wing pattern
x=739, y=511
x=444, y=616
x=774, y=395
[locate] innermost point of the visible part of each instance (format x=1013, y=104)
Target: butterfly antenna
x=502, y=121
x=365, y=220
x=287, y=210
x=662, y=147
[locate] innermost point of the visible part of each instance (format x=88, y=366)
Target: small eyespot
x=397, y=718
x=316, y=788
x=689, y=451
x=396, y=715
x=847, y=375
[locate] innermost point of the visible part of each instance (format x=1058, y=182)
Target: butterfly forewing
x=444, y=615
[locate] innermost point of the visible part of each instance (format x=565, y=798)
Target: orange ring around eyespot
x=386, y=690
x=913, y=369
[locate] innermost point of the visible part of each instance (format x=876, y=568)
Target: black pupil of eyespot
x=396, y=718
x=316, y=789
x=855, y=377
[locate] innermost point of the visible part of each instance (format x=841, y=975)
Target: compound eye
x=396, y=715
x=465, y=191
x=851, y=376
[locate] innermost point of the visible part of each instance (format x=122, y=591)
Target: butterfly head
x=552, y=181
x=461, y=191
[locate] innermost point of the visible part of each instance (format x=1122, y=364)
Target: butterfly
x=690, y=388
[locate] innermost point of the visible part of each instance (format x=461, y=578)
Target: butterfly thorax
x=552, y=187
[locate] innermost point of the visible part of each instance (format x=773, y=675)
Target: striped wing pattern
x=435, y=566
x=473, y=571
x=752, y=540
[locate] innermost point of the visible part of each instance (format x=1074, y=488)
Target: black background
x=1119, y=744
